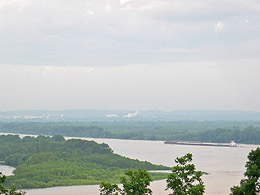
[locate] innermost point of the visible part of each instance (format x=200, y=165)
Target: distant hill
x=125, y=115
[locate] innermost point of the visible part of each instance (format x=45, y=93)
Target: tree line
x=217, y=132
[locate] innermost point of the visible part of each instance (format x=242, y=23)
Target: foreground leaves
x=251, y=184
x=184, y=179
x=134, y=183
x=5, y=191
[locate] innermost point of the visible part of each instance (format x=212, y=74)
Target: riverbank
x=219, y=162
x=43, y=162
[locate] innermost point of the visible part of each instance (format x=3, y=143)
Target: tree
x=109, y=189
x=184, y=179
x=251, y=184
x=5, y=191
x=58, y=138
x=134, y=183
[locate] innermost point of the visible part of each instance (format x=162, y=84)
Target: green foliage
x=250, y=135
x=52, y=161
x=38, y=128
x=107, y=188
x=250, y=185
x=5, y=191
x=134, y=183
x=58, y=138
x=184, y=179
x=208, y=131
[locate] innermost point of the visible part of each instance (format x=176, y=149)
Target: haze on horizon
x=130, y=54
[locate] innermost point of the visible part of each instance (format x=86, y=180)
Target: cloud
x=50, y=70
x=54, y=69
x=189, y=85
x=219, y=27
x=115, y=33
x=90, y=69
x=108, y=8
x=89, y=12
x=122, y=2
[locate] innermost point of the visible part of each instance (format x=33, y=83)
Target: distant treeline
x=208, y=131
x=51, y=161
x=37, y=128
x=249, y=135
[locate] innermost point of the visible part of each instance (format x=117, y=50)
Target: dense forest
x=247, y=132
x=65, y=129
x=52, y=161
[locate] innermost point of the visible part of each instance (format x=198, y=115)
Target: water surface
x=225, y=165
x=6, y=170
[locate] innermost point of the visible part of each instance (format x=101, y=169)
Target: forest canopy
x=247, y=132
x=53, y=161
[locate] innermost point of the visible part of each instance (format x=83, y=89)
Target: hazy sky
x=130, y=54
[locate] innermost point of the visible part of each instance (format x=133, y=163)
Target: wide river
x=225, y=165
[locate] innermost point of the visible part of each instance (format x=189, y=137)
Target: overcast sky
x=130, y=54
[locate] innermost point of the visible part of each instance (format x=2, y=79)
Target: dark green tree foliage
x=107, y=188
x=52, y=161
x=184, y=179
x=58, y=138
x=5, y=191
x=38, y=128
x=250, y=135
x=247, y=132
x=134, y=183
x=251, y=184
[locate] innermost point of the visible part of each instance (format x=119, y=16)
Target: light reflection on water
x=225, y=165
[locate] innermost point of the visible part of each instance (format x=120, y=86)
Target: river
x=6, y=170
x=225, y=165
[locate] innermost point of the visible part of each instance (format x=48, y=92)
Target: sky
x=130, y=54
